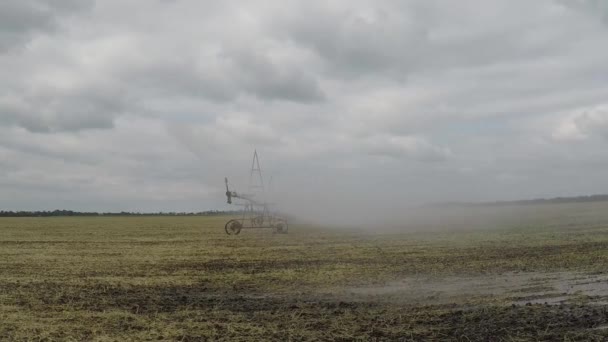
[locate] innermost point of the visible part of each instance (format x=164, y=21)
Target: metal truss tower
x=256, y=181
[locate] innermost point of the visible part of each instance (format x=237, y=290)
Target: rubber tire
x=230, y=230
x=281, y=227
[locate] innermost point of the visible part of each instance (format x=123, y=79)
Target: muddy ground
x=510, y=307
x=543, y=278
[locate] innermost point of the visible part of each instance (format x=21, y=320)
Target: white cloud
x=584, y=124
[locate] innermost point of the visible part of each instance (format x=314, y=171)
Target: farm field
x=537, y=272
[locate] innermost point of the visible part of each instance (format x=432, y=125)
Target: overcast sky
x=147, y=104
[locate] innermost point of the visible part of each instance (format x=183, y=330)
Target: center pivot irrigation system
x=256, y=213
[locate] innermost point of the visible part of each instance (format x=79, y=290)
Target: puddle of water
x=519, y=288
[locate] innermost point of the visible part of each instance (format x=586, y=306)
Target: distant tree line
x=574, y=199
x=54, y=213
x=591, y=198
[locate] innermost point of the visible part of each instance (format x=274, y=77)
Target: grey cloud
x=181, y=78
x=390, y=39
x=21, y=19
x=149, y=104
x=89, y=170
x=271, y=81
x=54, y=110
x=358, y=41
x=225, y=76
x=399, y=147
x=33, y=148
x=230, y=134
x=598, y=8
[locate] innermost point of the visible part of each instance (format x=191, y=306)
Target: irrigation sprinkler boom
x=256, y=213
x=233, y=194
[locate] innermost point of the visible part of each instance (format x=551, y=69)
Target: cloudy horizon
x=147, y=105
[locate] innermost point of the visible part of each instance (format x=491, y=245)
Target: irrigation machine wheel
x=281, y=227
x=233, y=227
x=257, y=221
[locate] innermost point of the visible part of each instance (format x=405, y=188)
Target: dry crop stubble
x=182, y=278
